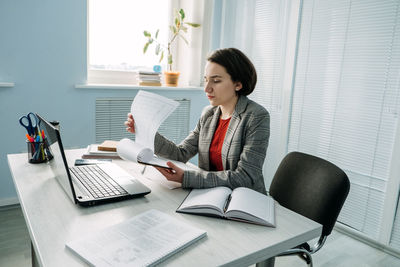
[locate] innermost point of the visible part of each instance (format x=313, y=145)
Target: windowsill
x=4, y=84
x=135, y=87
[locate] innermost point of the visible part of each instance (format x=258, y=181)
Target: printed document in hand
x=144, y=240
x=149, y=111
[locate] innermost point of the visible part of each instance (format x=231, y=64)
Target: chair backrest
x=312, y=187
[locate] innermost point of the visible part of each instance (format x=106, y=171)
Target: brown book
x=93, y=152
x=142, y=83
x=108, y=145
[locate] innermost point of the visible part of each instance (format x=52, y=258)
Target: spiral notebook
x=144, y=240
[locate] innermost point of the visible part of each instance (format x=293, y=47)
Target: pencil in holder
x=39, y=151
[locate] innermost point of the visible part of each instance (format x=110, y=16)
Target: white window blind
x=346, y=97
x=268, y=55
x=258, y=28
x=395, y=236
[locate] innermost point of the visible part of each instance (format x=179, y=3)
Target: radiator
x=111, y=115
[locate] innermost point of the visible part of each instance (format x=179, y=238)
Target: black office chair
x=314, y=188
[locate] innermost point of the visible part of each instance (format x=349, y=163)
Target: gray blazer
x=243, y=151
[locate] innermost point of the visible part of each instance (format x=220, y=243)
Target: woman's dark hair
x=238, y=66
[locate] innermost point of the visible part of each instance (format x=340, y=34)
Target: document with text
x=149, y=112
x=144, y=240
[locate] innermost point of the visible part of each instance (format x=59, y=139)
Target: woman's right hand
x=130, y=123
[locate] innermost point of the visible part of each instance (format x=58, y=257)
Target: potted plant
x=178, y=29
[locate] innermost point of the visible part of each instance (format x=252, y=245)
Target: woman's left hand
x=175, y=175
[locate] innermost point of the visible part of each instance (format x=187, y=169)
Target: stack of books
x=149, y=78
x=93, y=152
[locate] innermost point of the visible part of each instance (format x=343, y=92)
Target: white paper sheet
x=143, y=240
x=153, y=174
x=129, y=150
x=149, y=111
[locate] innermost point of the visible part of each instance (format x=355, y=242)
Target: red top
x=216, y=145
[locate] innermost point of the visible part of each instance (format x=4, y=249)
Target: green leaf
x=169, y=59
x=158, y=49
x=158, y=30
x=173, y=29
x=194, y=25
x=145, y=47
x=184, y=39
x=177, y=23
x=162, y=56
x=182, y=13
x=147, y=34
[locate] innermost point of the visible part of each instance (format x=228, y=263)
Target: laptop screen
x=58, y=164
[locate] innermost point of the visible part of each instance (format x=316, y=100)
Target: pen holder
x=39, y=152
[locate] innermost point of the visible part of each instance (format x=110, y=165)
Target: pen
x=40, y=136
x=30, y=139
x=144, y=169
x=42, y=150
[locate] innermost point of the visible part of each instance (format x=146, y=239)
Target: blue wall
x=43, y=51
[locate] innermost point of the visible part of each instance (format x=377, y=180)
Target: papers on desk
x=144, y=240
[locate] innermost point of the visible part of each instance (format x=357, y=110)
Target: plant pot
x=171, y=78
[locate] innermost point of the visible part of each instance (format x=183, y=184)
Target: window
x=115, y=45
x=116, y=40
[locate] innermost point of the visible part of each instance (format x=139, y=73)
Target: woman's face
x=219, y=87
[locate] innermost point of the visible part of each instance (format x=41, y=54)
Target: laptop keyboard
x=97, y=182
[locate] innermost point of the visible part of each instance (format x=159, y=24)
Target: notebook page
x=252, y=203
x=215, y=197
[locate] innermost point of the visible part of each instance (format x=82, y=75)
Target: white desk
x=52, y=219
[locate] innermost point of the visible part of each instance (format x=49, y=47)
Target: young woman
x=232, y=134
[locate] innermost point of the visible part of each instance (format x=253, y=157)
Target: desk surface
x=52, y=219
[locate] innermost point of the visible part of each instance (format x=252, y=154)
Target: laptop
x=89, y=185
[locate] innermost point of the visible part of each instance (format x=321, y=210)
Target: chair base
x=267, y=263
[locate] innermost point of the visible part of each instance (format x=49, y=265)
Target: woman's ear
x=238, y=86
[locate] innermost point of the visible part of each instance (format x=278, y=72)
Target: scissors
x=30, y=122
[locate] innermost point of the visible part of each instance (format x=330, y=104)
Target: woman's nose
x=207, y=87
